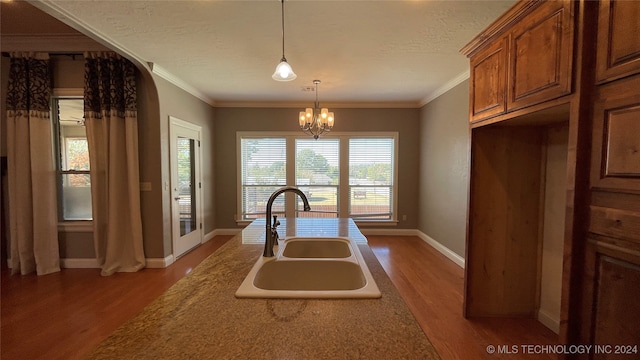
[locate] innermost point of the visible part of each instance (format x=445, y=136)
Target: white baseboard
x=160, y=263
x=457, y=259
x=549, y=321
x=390, y=232
x=208, y=236
x=232, y=231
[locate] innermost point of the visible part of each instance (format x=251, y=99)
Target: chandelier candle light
x=316, y=121
x=283, y=72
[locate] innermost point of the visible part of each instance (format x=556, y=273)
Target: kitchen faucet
x=271, y=235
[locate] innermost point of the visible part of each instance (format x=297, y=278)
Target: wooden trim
x=545, y=113
x=519, y=10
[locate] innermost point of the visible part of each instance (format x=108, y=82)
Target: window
x=72, y=155
x=263, y=172
x=318, y=176
x=343, y=175
x=371, y=178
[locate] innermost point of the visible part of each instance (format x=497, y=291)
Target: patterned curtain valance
x=29, y=87
x=110, y=85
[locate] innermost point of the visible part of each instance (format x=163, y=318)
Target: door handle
x=176, y=198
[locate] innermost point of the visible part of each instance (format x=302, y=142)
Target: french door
x=186, y=186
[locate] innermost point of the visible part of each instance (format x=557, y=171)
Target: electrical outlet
x=145, y=186
x=404, y=217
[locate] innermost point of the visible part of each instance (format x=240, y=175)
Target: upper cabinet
x=523, y=59
x=541, y=55
x=487, y=80
x=618, y=52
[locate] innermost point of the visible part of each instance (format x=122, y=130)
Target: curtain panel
x=31, y=168
x=112, y=134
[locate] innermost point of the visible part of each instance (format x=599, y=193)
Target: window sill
x=363, y=223
x=366, y=223
x=76, y=226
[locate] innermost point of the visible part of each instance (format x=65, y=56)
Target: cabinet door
x=615, y=158
x=488, y=81
x=618, y=52
x=541, y=50
x=611, y=310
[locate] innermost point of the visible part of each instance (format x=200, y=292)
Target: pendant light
x=283, y=72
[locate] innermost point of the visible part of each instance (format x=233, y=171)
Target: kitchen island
x=200, y=318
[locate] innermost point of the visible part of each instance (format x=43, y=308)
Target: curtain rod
x=71, y=54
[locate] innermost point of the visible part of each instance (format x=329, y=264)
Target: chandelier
x=283, y=72
x=316, y=121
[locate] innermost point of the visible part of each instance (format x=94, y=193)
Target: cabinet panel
x=618, y=52
x=618, y=223
x=616, y=143
x=540, y=49
x=616, y=306
x=488, y=81
x=503, y=239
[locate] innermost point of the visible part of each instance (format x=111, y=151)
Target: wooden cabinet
x=618, y=52
x=488, y=81
x=616, y=136
x=525, y=58
x=547, y=42
x=541, y=55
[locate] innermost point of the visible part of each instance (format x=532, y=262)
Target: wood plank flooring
x=65, y=315
x=432, y=287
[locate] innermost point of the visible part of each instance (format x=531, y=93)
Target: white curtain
x=112, y=134
x=31, y=171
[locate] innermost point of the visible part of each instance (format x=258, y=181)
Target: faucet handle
x=276, y=222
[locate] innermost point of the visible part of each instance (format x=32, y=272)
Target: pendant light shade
x=283, y=72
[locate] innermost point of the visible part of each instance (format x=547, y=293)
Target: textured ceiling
x=377, y=52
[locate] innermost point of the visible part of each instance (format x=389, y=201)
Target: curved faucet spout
x=271, y=235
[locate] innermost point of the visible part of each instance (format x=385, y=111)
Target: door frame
x=175, y=124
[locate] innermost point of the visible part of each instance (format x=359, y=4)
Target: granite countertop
x=200, y=318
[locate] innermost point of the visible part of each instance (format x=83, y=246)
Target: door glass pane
x=186, y=185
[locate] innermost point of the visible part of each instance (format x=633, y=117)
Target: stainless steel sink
x=311, y=268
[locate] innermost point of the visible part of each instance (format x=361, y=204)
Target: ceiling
x=366, y=53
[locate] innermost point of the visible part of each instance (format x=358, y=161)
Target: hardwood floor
x=65, y=315
x=432, y=287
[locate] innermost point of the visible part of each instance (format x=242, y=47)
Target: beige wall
x=553, y=232
x=176, y=102
x=444, y=168
x=231, y=120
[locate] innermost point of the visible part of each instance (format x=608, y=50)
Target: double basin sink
x=310, y=267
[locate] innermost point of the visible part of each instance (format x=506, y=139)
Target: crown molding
x=52, y=8
x=446, y=87
x=306, y=104
x=163, y=73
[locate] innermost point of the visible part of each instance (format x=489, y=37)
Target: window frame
x=72, y=225
x=343, y=187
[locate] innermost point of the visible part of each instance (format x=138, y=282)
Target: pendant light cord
x=282, y=9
